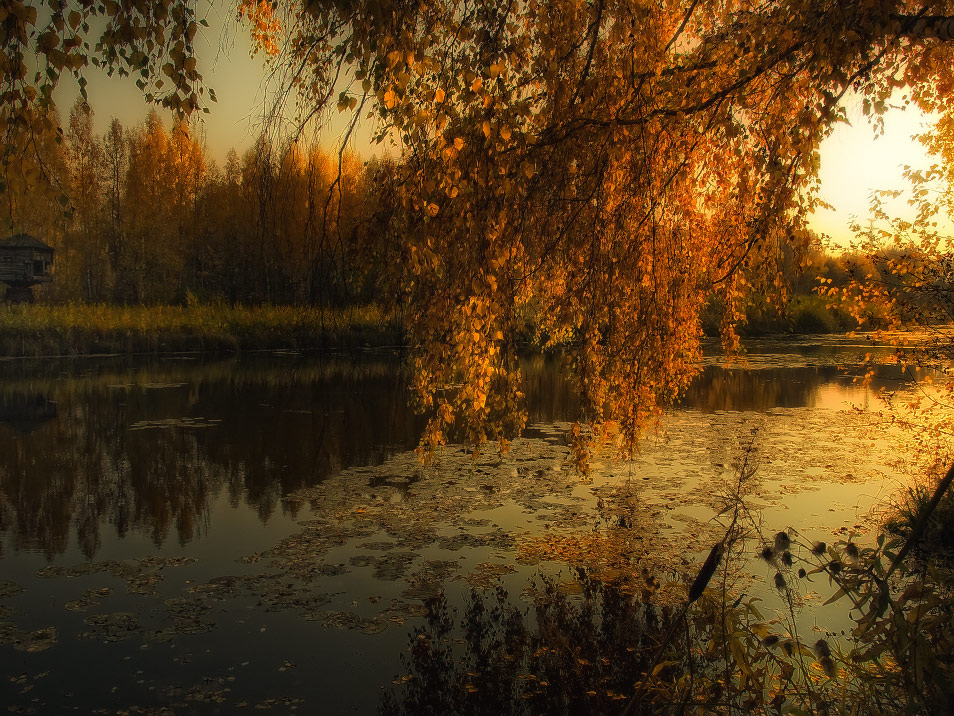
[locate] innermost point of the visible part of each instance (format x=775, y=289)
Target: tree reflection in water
x=569, y=654
x=147, y=448
x=119, y=446
x=113, y=446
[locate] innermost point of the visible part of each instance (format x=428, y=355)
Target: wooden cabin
x=25, y=261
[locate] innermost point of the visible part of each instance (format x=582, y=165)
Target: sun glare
x=856, y=162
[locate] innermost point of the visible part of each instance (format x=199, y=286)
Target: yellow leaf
x=458, y=143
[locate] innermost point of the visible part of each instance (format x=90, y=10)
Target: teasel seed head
x=782, y=541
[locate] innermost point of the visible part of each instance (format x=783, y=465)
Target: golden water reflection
x=102, y=448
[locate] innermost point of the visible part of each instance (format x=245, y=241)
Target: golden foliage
x=603, y=165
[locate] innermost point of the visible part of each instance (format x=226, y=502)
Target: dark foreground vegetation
x=716, y=651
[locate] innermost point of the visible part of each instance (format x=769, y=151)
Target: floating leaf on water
x=115, y=626
x=388, y=567
x=487, y=575
x=375, y=625
x=166, y=423
x=9, y=589
x=30, y=642
x=90, y=598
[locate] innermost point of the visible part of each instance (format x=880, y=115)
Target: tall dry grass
x=78, y=329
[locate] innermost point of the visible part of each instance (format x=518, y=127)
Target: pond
x=193, y=534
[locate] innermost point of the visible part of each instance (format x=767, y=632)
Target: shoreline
x=72, y=330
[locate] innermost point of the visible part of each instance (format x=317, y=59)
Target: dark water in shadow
x=139, y=499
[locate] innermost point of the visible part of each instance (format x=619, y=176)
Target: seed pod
x=834, y=566
x=828, y=665
x=705, y=574
x=768, y=554
x=788, y=647
x=770, y=641
x=821, y=649
x=819, y=548
x=779, y=580
x=782, y=541
x=787, y=558
x=851, y=549
x=802, y=573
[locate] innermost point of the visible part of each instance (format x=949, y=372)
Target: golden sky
x=854, y=162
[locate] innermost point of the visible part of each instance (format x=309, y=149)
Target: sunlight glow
x=855, y=163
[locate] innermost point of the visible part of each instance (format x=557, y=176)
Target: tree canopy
x=605, y=166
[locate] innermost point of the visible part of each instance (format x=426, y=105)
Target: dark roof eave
x=24, y=241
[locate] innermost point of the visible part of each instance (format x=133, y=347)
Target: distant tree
x=40, y=41
x=86, y=237
x=115, y=168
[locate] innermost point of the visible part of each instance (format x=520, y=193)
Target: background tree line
x=144, y=215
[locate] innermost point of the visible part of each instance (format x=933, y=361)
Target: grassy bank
x=802, y=314
x=41, y=330
x=82, y=329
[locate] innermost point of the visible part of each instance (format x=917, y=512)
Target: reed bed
x=82, y=329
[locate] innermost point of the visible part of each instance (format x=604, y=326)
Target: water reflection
x=26, y=411
x=111, y=446
x=806, y=386
x=577, y=654
x=148, y=449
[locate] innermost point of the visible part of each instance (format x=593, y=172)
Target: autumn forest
x=150, y=218
x=603, y=426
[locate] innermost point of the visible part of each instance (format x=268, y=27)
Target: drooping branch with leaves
x=600, y=166
x=603, y=166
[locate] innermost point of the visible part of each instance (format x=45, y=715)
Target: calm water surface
x=198, y=535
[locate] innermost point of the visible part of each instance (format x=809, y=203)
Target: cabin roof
x=21, y=241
